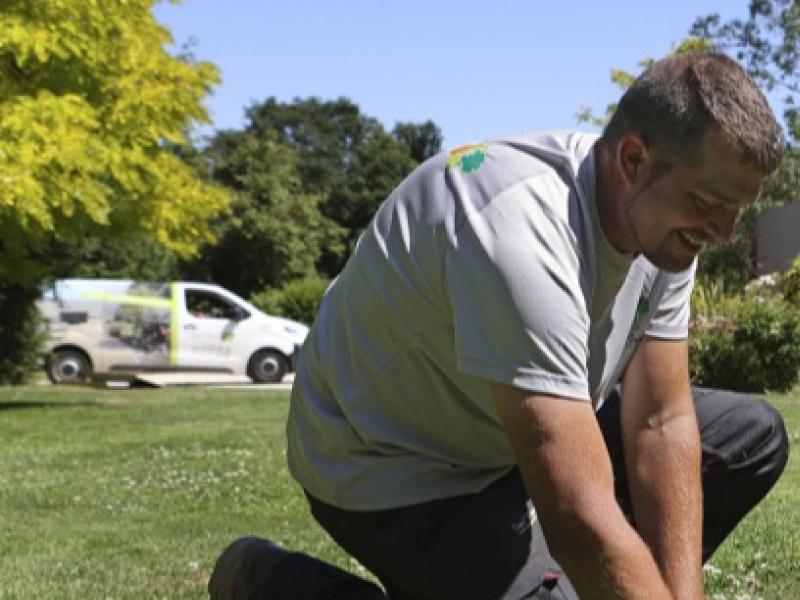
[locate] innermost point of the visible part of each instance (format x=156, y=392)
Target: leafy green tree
x=345, y=156
x=88, y=96
x=325, y=135
x=129, y=257
x=377, y=167
x=274, y=231
x=422, y=140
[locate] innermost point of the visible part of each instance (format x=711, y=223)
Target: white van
x=102, y=326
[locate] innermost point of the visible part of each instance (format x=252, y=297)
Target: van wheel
x=267, y=366
x=68, y=366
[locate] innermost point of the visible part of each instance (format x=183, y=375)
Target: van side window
x=208, y=305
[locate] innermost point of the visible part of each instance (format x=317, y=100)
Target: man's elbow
x=679, y=432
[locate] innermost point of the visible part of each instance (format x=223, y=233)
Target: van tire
x=267, y=366
x=68, y=365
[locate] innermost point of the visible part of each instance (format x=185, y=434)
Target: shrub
x=754, y=346
x=709, y=297
x=21, y=333
x=298, y=299
x=789, y=283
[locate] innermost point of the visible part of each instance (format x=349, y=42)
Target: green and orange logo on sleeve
x=469, y=157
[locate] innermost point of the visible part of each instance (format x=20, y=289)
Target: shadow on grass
x=19, y=405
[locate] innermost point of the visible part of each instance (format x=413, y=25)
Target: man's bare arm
x=565, y=466
x=662, y=456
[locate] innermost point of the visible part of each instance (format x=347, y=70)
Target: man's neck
x=610, y=201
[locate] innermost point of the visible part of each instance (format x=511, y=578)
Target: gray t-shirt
x=487, y=263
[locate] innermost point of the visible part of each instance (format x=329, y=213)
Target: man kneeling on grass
x=494, y=401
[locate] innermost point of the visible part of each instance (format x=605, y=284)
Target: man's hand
x=565, y=465
x=662, y=457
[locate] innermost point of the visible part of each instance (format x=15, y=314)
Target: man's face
x=675, y=214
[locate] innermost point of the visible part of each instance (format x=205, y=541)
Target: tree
x=376, y=166
x=325, y=135
x=274, y=231
x=422, y=141
x=88, y=96
x=129, y=257
x=343, y=155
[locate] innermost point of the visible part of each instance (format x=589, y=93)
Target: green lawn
x=132, y=493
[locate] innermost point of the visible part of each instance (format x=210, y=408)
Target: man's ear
x=634, y=159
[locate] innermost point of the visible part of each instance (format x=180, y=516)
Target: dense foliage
x=274, y=230
x=298, y=299
x=88, y=98
x=124, y=257
x=346, y=157
x=21, y=333
x=87, y=95
x=308, y=176
x=748, y=342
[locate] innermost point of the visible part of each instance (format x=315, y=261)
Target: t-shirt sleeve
x=670, y=318
x=514, y=276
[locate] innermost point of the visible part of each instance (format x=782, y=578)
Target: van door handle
x=190, y=326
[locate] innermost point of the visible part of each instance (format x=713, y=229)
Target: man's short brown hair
x=675, y=102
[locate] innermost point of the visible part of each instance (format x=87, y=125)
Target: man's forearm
x=666, y=490
x=604, y=557
x=568, y=475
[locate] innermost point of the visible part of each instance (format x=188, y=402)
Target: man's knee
x=773, y=441
x=749, y=437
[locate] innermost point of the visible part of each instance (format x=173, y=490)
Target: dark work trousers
x=488, y=546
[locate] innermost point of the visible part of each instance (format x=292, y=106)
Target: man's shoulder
x=558, y=148
x=545, y=162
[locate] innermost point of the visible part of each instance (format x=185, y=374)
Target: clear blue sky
x=477, y=69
